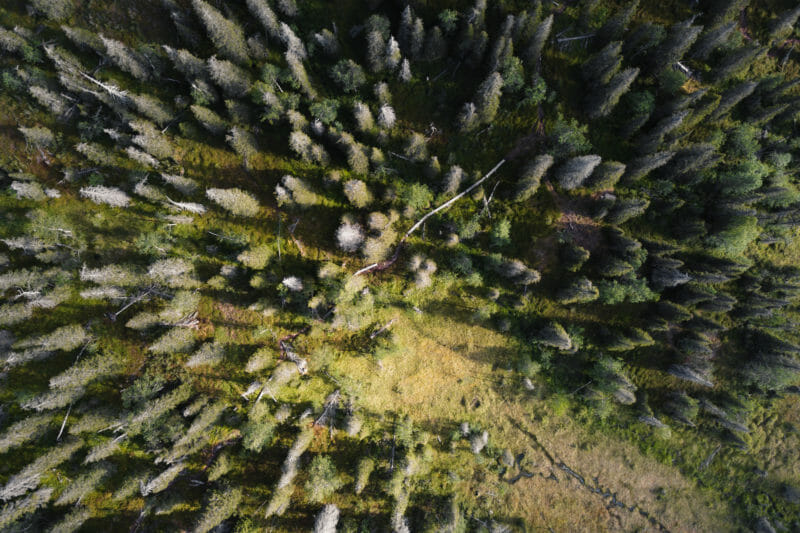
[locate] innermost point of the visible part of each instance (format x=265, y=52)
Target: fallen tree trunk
x=382, y=265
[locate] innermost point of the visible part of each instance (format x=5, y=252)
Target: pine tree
x=83, y=485
x=375, y=49
x=25, y=430
x=236, y=201
x=626, y=208
x=56, y=103
x=531, y=176
x=358, y=193
x=679, y=39
x=575, y=171
x=54, y=9
x=348, y=75
x=733, y=96
x=580, y=291
x=126, y=59
x=606, y=175
x=38, y=136
x=365, y=467
x=327, y=519
x=416, y=40
x=100, y=194
x=30, y=476
x=783, y=26
x=601, y=67
x=452, y=180
x=487, y=98
x=386, y=117
x=226, y=35
x=162, y=481
x=363, y=117
x=712, y=39
x=435, y=45
x=533, y=50
x=209, y=119
x=603, y=100
x=392, y=54
x=554, y=335
x=416, y=147
x=405, y=71
x=221, y=505
x=736, y=61
x=243, y=143
x=234, y=81
x=640, y=167
x=295, y=191
x=350, y=235
x=615, y=27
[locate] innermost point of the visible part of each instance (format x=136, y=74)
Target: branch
x=382, y=328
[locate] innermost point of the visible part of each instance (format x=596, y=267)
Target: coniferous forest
x=399, y=265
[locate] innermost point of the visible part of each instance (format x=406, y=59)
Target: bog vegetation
x=253, y=252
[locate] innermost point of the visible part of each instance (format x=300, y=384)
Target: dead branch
x=382, y=328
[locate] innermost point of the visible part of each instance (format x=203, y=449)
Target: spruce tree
x=603, y=100
x=487, y=98
x=226, y=35
x=615, y=27
x=712, y=39
x=534, y=47
x=601, y=67
x=531, y=176
x=575, y=171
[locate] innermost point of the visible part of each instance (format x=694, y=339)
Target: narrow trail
x=595, y=487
